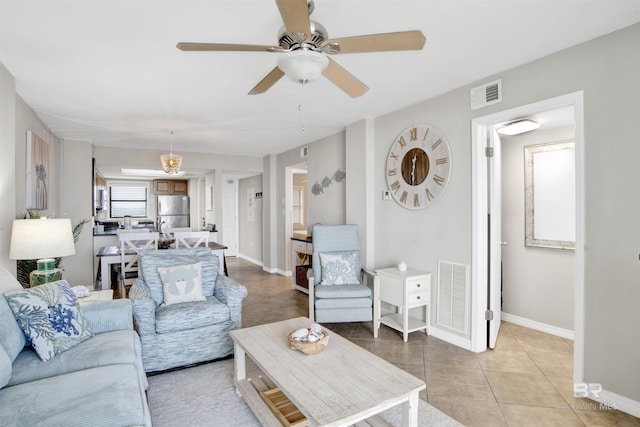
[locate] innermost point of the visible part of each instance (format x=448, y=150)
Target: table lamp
x=43, y=240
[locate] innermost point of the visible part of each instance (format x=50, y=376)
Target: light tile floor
x=525, y=381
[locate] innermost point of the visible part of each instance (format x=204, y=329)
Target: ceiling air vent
x=486, y=94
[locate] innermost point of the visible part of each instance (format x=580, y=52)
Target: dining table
x=110, y=255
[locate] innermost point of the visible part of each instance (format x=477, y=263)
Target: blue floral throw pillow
x=339, y=268
x=50, y=317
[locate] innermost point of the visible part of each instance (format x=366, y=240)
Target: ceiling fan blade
x=266, y=83
x=404, y=40
x=224, y=47
x=295, y=15
x=344, y=80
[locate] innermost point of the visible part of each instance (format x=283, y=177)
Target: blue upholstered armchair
x=174, y=333
x=340, y=290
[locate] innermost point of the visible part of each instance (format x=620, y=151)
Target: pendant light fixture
x=171, y=162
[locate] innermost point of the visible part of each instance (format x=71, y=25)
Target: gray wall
x=326, y=156
x=606, y=70
x=250, y=232
x=538, y=283
x=76, y=190
x=8, y=172
x=26, y=120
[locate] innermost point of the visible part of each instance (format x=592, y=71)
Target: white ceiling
x=108, y=71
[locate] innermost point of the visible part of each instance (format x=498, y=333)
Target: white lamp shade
x=41, y=238
x=303, y=65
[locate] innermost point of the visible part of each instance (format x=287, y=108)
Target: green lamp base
x=37, y=277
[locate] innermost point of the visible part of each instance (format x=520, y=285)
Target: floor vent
x=453, y=297
x=486, y=94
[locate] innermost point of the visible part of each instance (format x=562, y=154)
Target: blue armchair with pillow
x=184, y=308
x=337, y=289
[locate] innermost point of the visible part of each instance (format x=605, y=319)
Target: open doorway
x=230, y=216
x=538, y=224
x=486, y=192
x=295, y=212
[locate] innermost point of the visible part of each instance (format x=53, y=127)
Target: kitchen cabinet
x=170, y=186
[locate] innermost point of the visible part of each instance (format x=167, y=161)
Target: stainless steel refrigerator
x=172, y=211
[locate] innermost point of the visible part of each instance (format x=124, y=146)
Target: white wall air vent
x=454, y=297
x=486, y=94
x=304, y=152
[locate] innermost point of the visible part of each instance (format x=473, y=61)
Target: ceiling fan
x=305, y=45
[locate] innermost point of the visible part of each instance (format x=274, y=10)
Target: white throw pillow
x=339, y=268
x=182, y=283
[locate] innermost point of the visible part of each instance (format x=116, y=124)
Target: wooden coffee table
x=341, y=386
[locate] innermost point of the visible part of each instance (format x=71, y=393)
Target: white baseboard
x=450, y=337
x=270, y=270
x=538, y=326
x=251, y=260
x=621, y=403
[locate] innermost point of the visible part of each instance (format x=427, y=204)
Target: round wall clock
x=418, y=166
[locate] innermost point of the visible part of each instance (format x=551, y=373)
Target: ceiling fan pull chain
x=300, y=106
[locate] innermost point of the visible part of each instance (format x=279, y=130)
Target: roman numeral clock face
x=418, y=166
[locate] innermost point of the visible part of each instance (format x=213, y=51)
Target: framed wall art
x=37, y=172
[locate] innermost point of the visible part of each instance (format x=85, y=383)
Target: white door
x=494, y=303
x=230, y=216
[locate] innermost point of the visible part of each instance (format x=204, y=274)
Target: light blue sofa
x=99, y=382
x=190, y=332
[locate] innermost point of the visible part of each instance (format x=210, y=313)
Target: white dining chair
x=131, y=244
x=191, y=239
x=171, y=231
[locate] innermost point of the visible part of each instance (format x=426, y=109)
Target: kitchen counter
x=114, y=231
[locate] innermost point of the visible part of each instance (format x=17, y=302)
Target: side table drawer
x=297, y=246
x=417, y=298
x=418, y=285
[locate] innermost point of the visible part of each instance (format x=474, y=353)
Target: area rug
x=204, y=396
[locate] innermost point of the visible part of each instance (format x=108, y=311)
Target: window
x=128, y=199
x=298, y=206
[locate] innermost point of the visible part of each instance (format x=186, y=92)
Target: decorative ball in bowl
x=165, y=243
x=311, y=340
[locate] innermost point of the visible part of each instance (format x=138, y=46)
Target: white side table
x=97, y=296
x=406, y=290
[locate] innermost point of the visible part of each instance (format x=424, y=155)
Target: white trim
x=579, y=254
x=251, y=260
x=479, y=127
x=451, y=338
x=621, y=403
x=479, y=208
x=538, y=326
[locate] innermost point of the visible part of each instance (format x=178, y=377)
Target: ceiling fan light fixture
x=171, y=163
x=518, y=127
x=303, y=66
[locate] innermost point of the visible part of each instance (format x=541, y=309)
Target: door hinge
x=488, y=152
x=488, y=315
